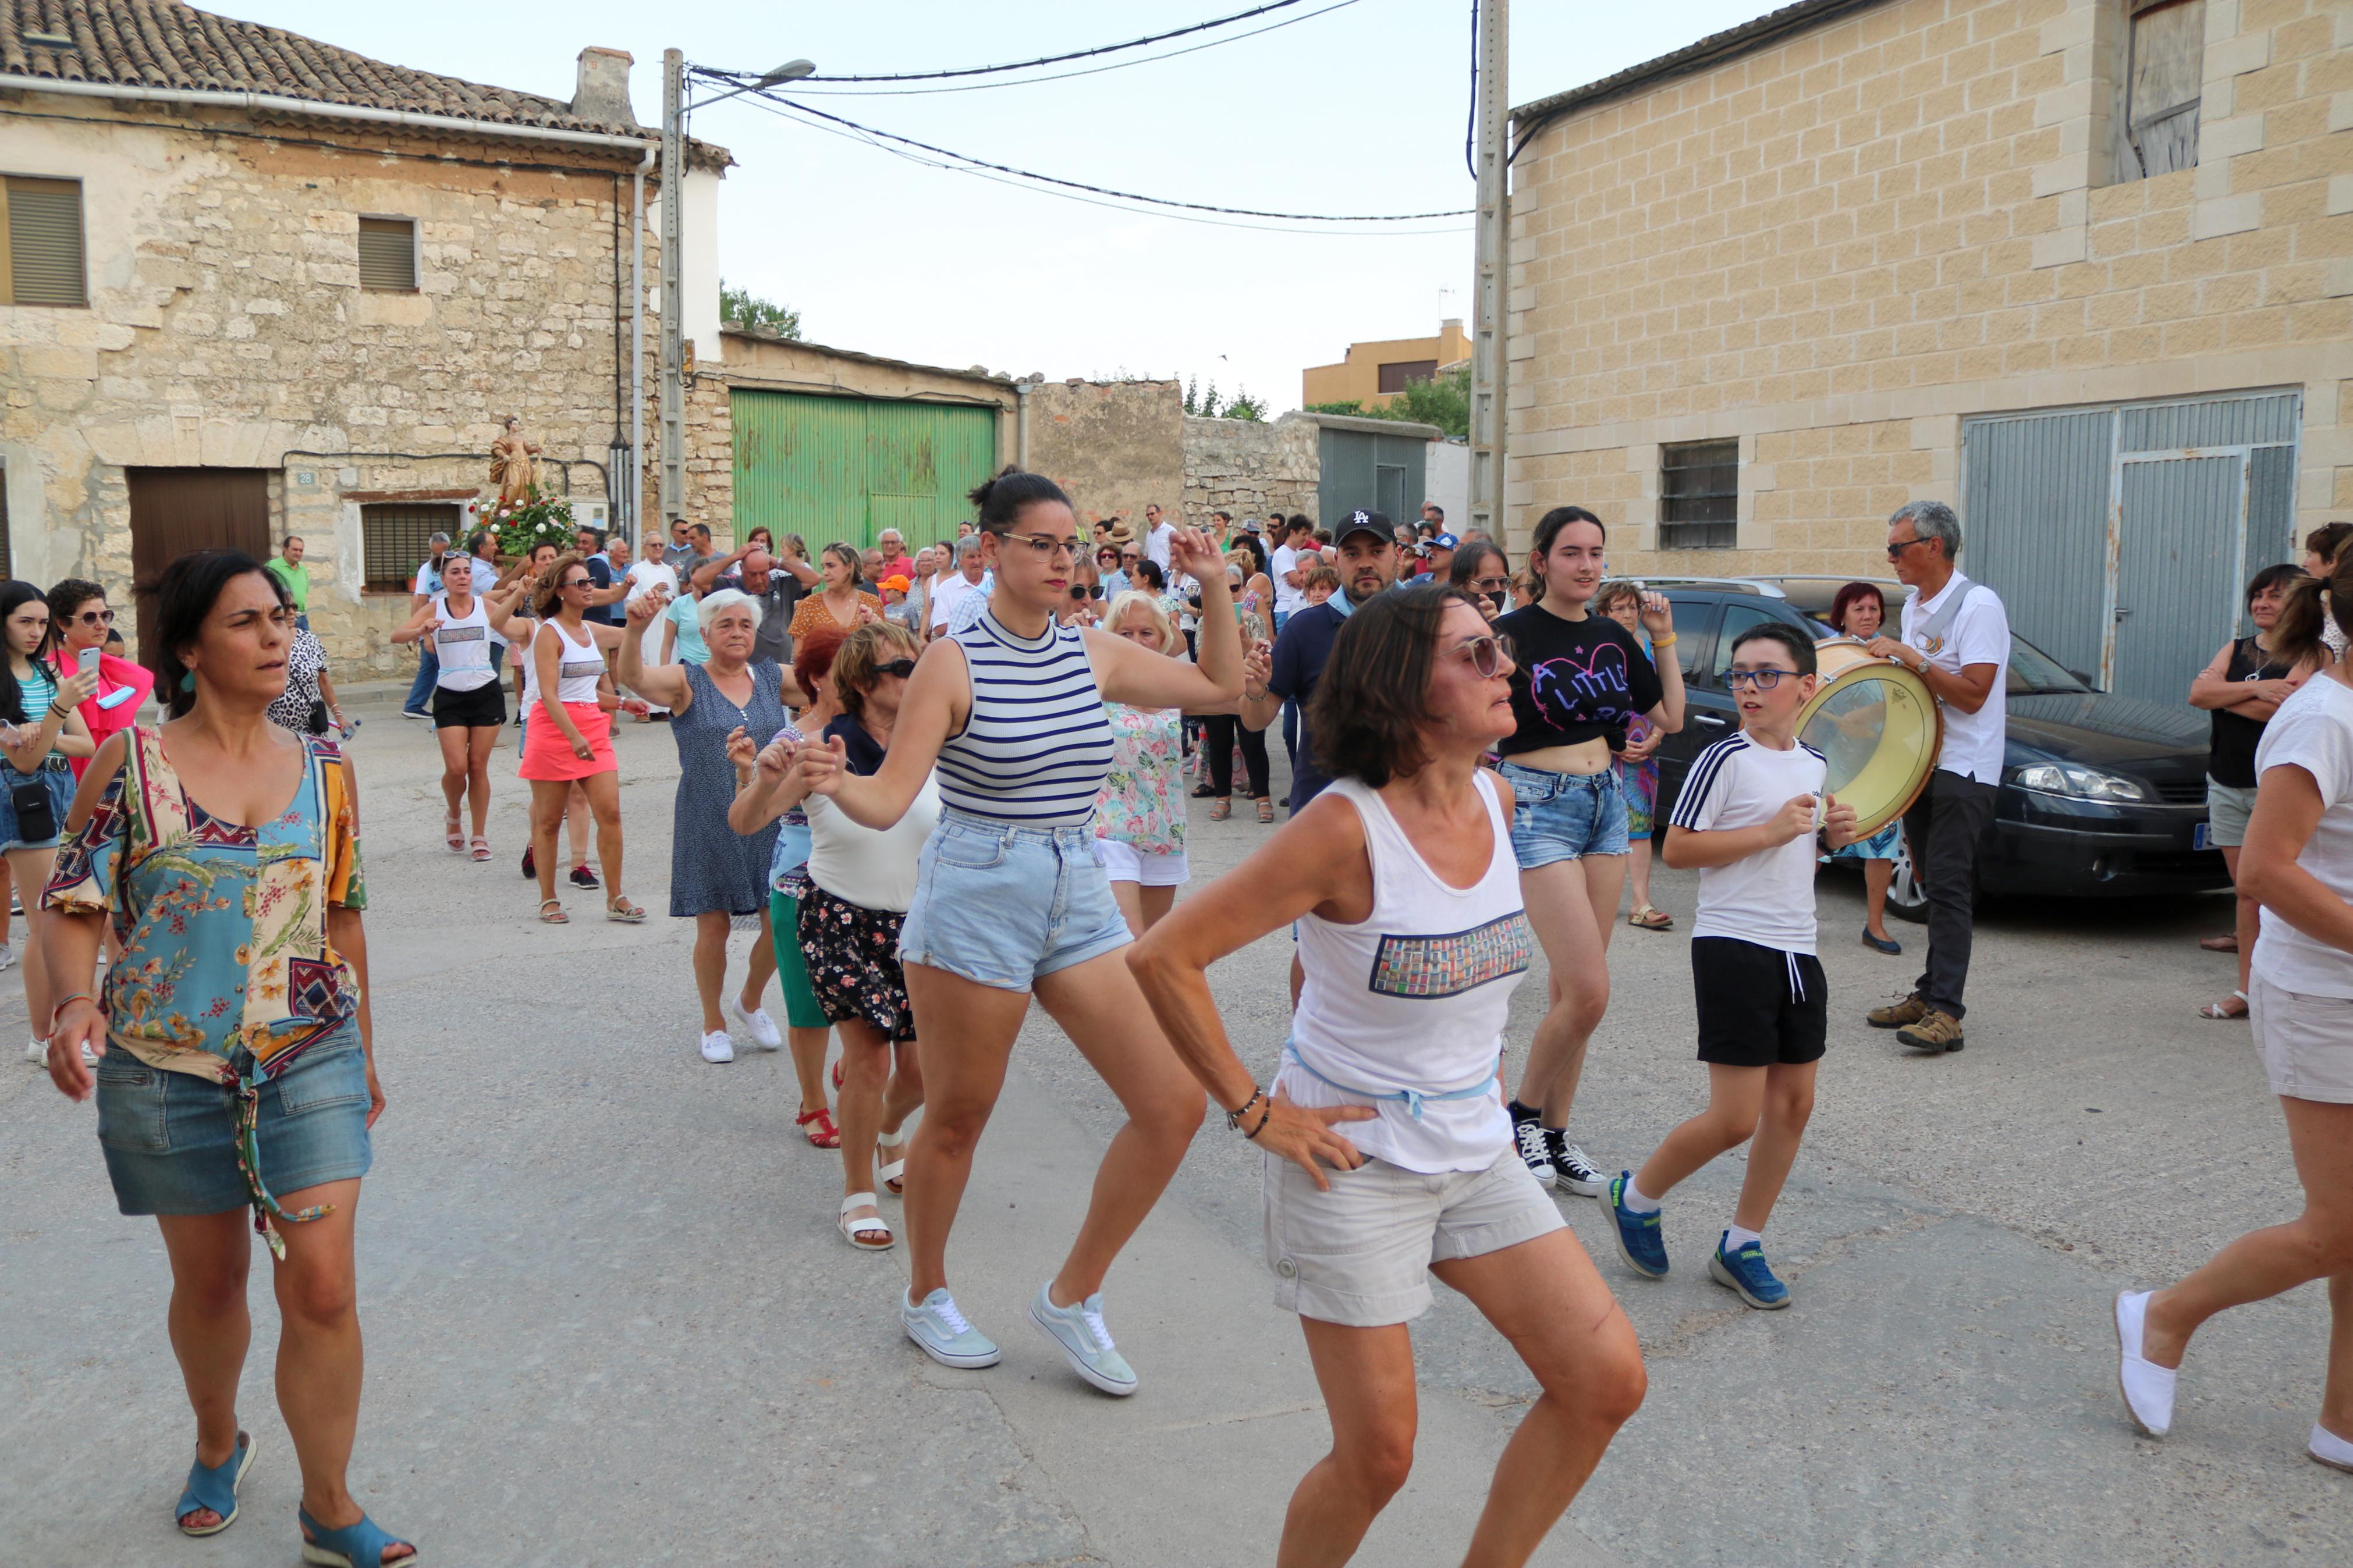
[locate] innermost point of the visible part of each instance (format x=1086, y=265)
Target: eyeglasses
x=1896, y=550
x=1762, y=679
x=1491, y=585
x=1490, y=656
x=96, y=617
x=901, y=668
x=1045, y=546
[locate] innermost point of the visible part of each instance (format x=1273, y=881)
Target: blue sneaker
x=1086, y=1343
x=942, y=1333
x=1746, y=1273
x=1639, y=1240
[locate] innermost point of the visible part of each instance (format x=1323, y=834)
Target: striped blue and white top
x=1037, y=747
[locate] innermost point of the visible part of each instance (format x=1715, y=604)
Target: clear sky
x=1360, y=110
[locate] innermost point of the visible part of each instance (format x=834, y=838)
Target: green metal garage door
x=847, y=468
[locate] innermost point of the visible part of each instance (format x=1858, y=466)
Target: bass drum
x=1878, y=728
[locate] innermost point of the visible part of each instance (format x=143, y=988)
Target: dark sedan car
x=2101, y=796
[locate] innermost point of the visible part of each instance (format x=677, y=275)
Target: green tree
x=742, y=308
x=1245, y=407
x=1444, y=401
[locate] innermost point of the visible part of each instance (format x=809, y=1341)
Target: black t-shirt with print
x=1574, y=680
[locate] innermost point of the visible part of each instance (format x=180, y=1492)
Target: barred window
x=1699, y=494
x=388, y=255
x=396, y=538
x=41, y=243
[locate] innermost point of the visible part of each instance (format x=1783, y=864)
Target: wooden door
x=174, y=510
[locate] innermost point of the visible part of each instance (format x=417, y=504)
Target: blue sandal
x=360, y=1545
x=215, y=1489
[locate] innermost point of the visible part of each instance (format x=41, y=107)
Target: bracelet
x=1264, y=1117
x=61, y=1007
x=1259, y=696
x=1666, y=641
x=1234, y=1117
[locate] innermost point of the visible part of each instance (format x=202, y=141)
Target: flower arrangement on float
x=517, y=526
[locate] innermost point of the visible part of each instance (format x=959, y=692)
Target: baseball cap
x=1253, y=525
x=1363, y=522
x=1439, y=542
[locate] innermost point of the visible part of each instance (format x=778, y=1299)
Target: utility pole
x=1489, y=366
x=674, y=308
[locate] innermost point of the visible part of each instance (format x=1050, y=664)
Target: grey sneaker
x=7, y=956
x=941, y=1332
x=1085, y=1342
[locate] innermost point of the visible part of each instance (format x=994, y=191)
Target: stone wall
x=1112, y=446
x=1250, y=468
x=1836, y=247
x=226, y=328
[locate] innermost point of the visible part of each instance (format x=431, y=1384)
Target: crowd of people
x=945, y=785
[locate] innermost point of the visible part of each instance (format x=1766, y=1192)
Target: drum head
x=1879, y=730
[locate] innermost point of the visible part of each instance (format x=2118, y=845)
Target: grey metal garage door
x=1361, y=468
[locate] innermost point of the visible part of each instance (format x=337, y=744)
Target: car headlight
x=2077, y=783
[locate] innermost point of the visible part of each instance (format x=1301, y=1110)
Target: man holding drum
x=1957, y=639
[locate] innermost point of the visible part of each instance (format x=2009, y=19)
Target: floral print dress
x=1142, y=801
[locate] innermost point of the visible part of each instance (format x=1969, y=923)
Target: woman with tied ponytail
x=2297, y=863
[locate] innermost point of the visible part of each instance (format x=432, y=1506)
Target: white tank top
x=1407, y=1007
x=463, y=646
x=874, y=870
x=579, y=665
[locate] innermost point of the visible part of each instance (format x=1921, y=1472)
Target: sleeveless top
x=463, y=646
x=1142, y=804
x=579, y=665
x=2232, y=737
x=1037, y=746
x=1407, y=1007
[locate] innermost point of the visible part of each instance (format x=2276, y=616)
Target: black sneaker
x=584, y=878
x=530, y=866
x=1573, y=1171
x=1537, y=1150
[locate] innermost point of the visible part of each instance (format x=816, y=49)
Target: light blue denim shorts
x=1000, y=904
x=170, y=1138
x=59, y=783
x=1564, y=817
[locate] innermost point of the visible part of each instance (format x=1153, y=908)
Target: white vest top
x=1408, y=1006
x=579, y=665
x=463, y=646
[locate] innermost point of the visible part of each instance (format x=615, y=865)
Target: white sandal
x=891, y=1174
x=860, y=1232
x=2221, y=1010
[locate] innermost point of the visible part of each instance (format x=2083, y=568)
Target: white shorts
x=2307, y=1042
x=1124, y=862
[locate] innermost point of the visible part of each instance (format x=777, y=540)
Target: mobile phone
x=89, y=658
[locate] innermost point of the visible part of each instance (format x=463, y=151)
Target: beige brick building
x=257, y=284
x=1768, y=288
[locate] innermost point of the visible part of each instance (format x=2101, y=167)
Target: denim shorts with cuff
x=1563, y=817
x=1000, y=904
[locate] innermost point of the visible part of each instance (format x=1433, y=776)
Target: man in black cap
x=1369, y=565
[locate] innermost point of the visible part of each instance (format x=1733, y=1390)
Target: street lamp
x=791, y=70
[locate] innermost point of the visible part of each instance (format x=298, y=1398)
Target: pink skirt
x=547, y=753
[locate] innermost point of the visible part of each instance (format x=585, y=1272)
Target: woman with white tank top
x=569, y=738
x=1010, y=899
x=467, y=708
x=1388, y=1155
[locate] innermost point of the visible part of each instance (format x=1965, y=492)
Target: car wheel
x=1906, y=899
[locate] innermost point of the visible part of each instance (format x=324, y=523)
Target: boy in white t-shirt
x=1748, y=816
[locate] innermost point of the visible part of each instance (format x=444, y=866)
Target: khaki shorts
x=2307, y=1042
x=2228, y=806
x=1359, y=1255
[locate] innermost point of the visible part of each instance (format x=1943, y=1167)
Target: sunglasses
x=1896, y=550
x=579, y=582
x=901, y=668
x=1762, y=679
x=1491, y=585
x=1490, y=656
x=96, y=617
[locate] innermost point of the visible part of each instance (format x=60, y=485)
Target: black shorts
x=1758, y=1006
x=485, y=707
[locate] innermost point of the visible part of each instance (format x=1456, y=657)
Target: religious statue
x=514, y=464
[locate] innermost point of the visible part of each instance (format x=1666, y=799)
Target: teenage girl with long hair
x=40, y=732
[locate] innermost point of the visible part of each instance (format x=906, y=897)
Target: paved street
x=609, y=1321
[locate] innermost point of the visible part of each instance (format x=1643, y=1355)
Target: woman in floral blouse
x=1140, y=811
x=235, y=1065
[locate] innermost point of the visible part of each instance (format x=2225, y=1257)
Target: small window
x=1699, y=494
x=388, y=255
x=2164, y=72
x=40, y=243
x=396, y=538
x=1399, y=374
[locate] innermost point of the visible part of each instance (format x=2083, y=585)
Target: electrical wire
x=961, y=158
x=1060, y=60
x=1060, y=76
x=782, y=110
x=1470, y=119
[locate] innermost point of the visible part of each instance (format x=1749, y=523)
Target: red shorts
x=547, y=753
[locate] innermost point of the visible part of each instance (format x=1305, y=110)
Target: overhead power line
x=1075, y=54
x=963, y=158
x=1061, y=76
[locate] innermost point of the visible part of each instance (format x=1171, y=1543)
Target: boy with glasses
x=1748, y=818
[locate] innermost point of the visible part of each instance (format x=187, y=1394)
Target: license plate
x=2201, y=836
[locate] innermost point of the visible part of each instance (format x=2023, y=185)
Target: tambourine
x=1877, y=726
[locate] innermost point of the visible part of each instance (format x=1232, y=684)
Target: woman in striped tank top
x=1010, y=899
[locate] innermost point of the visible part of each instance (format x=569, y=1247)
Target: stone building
x=257, y=284
x=2082, y=267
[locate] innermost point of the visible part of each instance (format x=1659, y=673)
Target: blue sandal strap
x=214, y=1487
x=360, y=1545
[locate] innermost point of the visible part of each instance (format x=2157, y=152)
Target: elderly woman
x=1859, y=611
x=1389, y=1155
x=716, y=875
x=249, y=1082
x=860, y=881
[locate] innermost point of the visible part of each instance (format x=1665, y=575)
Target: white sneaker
x=39, y=1051
x=7, y=956
x=2148, y=1388
x=718, y=1047
x=757, y=1024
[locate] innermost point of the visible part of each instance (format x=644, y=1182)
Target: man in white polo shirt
x=1957, y=639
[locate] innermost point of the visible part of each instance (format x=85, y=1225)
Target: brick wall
x=1834, y=248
